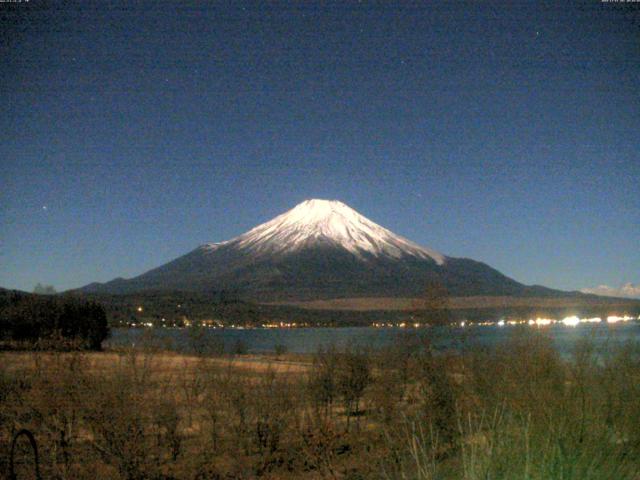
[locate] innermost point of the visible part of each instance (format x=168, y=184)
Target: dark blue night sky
x=507, y=132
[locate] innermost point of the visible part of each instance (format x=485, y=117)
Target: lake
x=309, y=340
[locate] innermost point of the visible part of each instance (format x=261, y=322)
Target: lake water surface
x=309, y=340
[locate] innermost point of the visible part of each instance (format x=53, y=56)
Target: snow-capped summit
x=328, y=222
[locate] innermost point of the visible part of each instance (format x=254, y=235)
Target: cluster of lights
x=280, y=325
x=397, y=325
x=616, y=319
x=482, y=324
x=571, y=321
x=141, y=324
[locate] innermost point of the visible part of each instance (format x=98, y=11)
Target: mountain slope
x=320, y=249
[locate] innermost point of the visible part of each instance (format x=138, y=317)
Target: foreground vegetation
x=50, y=321
x=516, y=411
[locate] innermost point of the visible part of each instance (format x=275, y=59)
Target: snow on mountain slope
x=326, y=222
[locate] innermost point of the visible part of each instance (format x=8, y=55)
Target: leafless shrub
x=192, y=385
x=320, y=445
x=353, y=377
x=130, y=425
x=322, y=381
x=274, y=416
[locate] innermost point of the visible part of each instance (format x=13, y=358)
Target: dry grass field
x=167, y=363
x=517, y=411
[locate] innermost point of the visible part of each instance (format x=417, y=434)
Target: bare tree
x=433, y=306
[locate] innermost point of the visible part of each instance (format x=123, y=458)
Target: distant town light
x=592, y=320
x=571, y=321
x=543, y=321
x=616, y=318
x=139, y=309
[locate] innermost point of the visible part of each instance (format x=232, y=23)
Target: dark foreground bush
x=52, y=322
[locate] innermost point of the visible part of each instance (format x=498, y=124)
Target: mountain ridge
x=320, y=249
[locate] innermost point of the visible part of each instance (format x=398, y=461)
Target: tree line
x=27, y=320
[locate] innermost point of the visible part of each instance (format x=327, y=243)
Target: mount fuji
x=318, y=250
